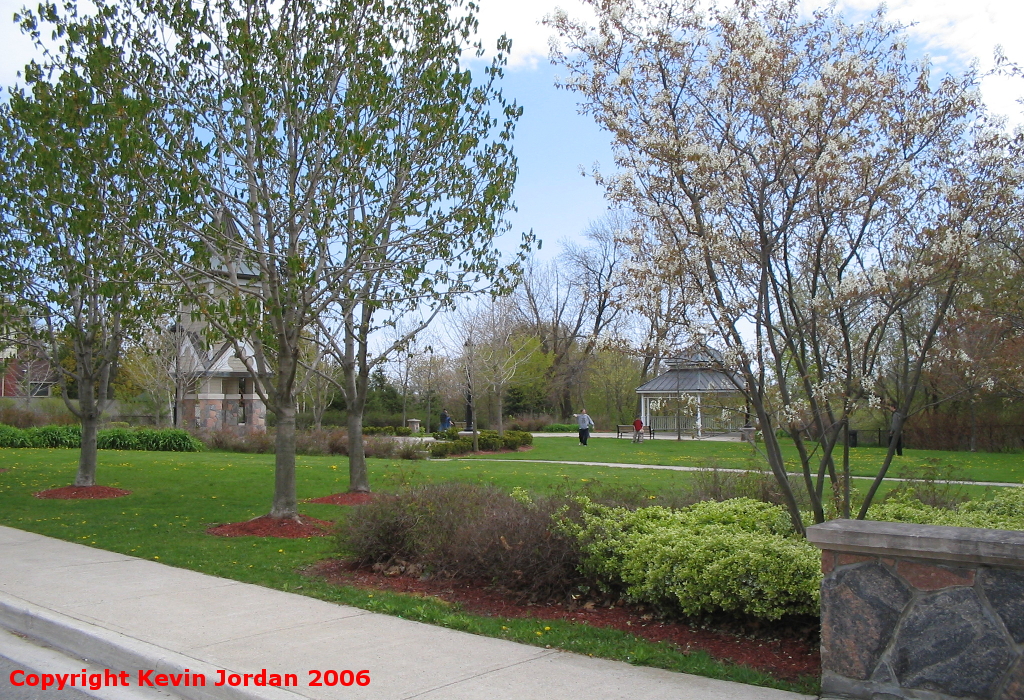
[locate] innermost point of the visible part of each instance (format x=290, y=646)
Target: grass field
x=176, y=496
x=864, y=461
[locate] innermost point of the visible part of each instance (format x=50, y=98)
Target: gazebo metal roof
x=689, y=381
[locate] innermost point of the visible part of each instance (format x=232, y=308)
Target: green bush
x=514, y=439
x=450, y=434
x=456, y=447
x=396, y=430
x=1004, y=512
x=562, y=428
x=13, y=437
x=168, y=440
x=737, y=556
x=69, y=436
x=117, y=439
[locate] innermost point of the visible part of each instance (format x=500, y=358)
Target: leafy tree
x=77, y=187
x=348, y=168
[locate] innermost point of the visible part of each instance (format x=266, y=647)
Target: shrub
x=450, y=434
x=258, y=442
x=735, y=556
x=13, y=437
x=933, y=485
x=457, y=447
x=383, y=447
x=1004, y=512
x=488, y=440
x=562, y=428
x=514, y=439
x=409, y=449
x=337, y=442
x=530, y=424
x=466, y=530
x=117, y=439
x=312, y=442
x=67, y=436
x=712, y=483
x=166, y=440
x=21, y=418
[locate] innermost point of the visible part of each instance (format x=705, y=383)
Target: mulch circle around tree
x=783, y=656
x=345, y=499
x=70, y=492
x=266, y=526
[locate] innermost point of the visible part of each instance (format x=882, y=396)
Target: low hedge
x=70, y=436
x=393, y=430
x=738, y=556
x=487, y=440
x=1004, y=512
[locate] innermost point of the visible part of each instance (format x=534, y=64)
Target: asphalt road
x=26, y=692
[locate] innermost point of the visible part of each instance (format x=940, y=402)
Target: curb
x=120, y=652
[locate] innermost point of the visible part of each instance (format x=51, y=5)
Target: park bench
x=627, y=431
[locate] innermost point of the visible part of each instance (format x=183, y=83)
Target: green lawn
x=864, y=461
x=176, y=496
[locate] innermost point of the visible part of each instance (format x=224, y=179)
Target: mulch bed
x=266, y=526
x=345, y=499
x=69, y=492
x=784, y=653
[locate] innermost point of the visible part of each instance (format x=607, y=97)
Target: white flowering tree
x=808, y=181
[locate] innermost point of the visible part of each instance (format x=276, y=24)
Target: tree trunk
x=90, y=425
x=285, y=501
x=358, y=477
x=179, y=400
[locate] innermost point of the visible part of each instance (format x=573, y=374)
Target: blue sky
x=553, y=140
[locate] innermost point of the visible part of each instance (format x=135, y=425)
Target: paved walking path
x=624, y=465
x=133, y=615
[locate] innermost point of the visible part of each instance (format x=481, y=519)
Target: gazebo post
x=700, y=420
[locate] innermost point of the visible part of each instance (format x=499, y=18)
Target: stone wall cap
x=931, y=542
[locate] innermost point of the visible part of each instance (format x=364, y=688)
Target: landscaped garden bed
x=786, y=650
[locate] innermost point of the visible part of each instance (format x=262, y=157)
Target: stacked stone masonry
x=924, y=625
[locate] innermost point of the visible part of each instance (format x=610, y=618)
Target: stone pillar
x=923, y=612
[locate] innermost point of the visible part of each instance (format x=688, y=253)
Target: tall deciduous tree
x=812, y=183
x=77, y=187
x=352, y=169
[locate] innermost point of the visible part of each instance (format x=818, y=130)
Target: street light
x=430, y=367
x=470, y=422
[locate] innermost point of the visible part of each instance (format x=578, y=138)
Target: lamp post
x=470, y=418
x=430, y=367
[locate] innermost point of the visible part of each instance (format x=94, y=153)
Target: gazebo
x=695, y=396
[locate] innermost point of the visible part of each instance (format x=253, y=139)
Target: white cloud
x=954, y=32
x=521, y=21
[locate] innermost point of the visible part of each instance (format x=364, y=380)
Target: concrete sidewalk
x=132, y=615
